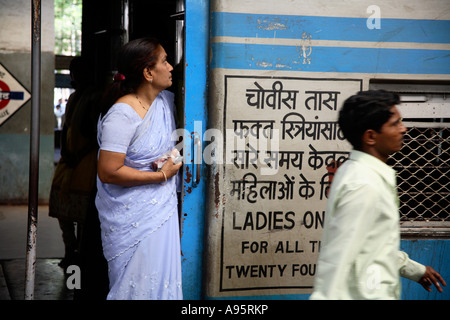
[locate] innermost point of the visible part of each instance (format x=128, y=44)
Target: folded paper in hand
x=174, y=154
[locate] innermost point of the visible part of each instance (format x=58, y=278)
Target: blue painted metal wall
x=417, y=47
x=434, y=253
x=331, y=58
x=196, y=57
x=328, y=28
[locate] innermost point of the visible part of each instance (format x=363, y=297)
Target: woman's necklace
x=141, y=103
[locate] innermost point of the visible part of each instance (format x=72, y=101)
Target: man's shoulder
x=354, y=173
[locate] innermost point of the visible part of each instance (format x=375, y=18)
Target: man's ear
x=369, y=137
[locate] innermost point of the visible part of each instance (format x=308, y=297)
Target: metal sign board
x=12, y=94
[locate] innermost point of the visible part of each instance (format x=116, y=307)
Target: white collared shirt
x=360, y=257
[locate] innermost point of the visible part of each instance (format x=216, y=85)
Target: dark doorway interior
x=107, y=24
x=153, y=18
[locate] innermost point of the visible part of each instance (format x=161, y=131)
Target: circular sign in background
x=3, y=88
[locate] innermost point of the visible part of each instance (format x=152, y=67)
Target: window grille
x=423, y=163
x=423, y=171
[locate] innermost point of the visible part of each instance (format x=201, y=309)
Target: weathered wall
x=286, y=67
x=15, y=56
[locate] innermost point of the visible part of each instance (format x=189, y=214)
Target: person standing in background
x=73, y=191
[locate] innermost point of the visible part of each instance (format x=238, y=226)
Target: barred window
x=423, y=167
x=423, y=163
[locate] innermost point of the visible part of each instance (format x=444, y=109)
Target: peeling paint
x=188, y=175
x=216, y=193
x=283, y=66
x=263, y=64
x=271, y=25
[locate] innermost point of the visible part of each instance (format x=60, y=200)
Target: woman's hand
x=171, y=169
x=111, y=169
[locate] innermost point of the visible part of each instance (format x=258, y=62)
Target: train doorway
x=183, y=29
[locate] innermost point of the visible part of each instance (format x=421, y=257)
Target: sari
x=139, y=225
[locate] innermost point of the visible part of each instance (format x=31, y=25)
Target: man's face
x=390, y=137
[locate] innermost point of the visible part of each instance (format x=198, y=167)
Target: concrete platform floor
x=50, y=281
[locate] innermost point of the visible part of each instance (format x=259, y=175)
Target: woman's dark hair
x=363, y=111
x=133, y=58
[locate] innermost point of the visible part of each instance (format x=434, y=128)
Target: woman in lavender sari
x=137, y=203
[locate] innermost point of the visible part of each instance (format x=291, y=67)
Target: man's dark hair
x=363, y=111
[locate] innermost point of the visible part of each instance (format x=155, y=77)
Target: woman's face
x=162, y=71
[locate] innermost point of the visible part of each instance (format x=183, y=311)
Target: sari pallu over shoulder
x=129, y=214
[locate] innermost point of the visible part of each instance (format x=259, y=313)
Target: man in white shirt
x=360, y=257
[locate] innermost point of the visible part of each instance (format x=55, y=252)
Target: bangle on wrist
x=165, y=177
